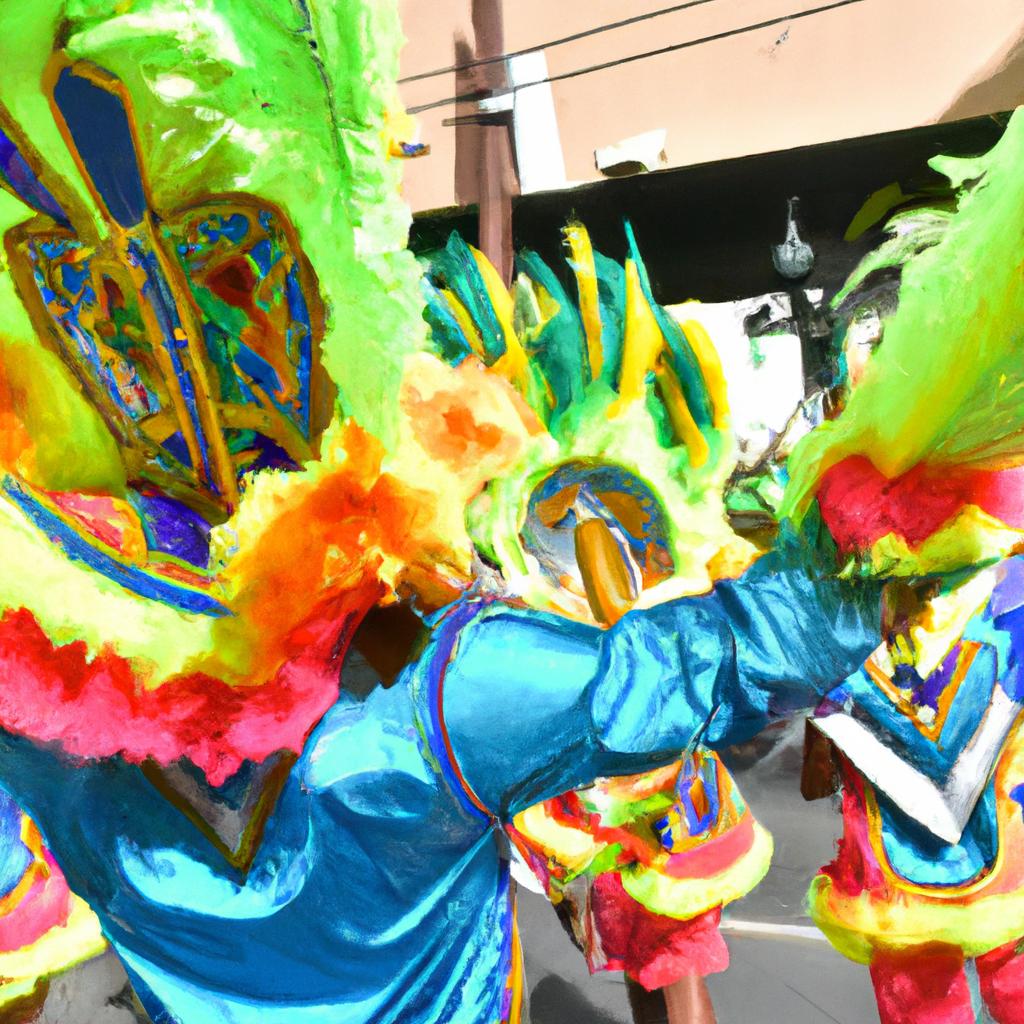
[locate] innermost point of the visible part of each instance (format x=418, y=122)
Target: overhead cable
x=590, y=69
x=480, y=62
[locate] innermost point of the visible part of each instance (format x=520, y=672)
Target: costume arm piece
x=533, y=706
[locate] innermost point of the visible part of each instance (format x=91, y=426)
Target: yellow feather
x=513, y=365
x=465, y=321
x=586, y=281
x=679, y=413
x=711, y=368
x=642, y=343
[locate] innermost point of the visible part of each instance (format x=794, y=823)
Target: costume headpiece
x=631, y=412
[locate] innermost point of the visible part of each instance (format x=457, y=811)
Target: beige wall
x=874, y=66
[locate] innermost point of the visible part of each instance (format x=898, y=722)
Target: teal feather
x=684, y=359
x=447, y=337
x=560, y=347
x=455, y=268
x=611, y=294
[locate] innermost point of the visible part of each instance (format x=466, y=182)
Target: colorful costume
x=638, y=867
x=44, y=928
x=920, y=472
x=643, y=865
x=162, y=334
x=911, y=903
x=191, y=533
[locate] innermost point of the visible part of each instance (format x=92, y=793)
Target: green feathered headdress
x=632, y=402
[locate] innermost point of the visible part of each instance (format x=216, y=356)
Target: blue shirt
x=380, y=891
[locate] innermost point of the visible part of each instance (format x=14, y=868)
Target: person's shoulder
x=477, y=609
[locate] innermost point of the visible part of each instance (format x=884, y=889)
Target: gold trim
x=38, y=870
x=965, y=658
x=242, y=856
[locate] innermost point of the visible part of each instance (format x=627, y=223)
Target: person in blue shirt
x=380, y=890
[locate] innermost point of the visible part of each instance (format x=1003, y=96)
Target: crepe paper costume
x=638, y=867
x=930, y=868
x=921, y=472
x=206, y=277
x=378, y=890
x=926, y=736
x=44, y=928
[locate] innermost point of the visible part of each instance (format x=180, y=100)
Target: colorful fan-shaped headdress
x=630, y=418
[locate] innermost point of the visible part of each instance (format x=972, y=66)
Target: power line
x=483, y=61
x=487, y=93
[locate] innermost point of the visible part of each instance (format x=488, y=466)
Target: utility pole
x=485, y=170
